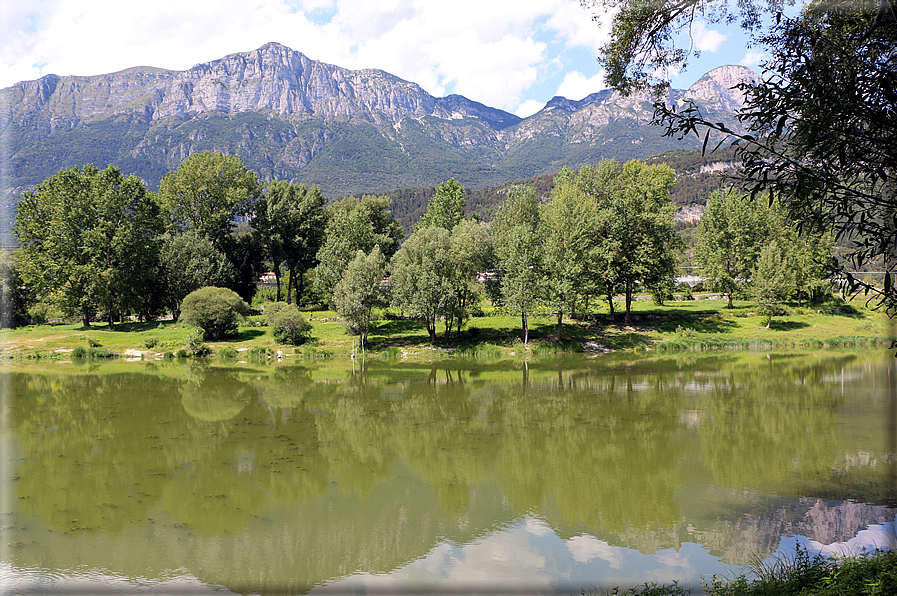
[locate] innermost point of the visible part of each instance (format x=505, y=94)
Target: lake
x=551, y=476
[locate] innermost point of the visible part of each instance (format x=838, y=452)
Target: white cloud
x=498, y=52
x=588, y=548
x=706, y=40
x=576, y=85
x=753, y=59
x=529, y=107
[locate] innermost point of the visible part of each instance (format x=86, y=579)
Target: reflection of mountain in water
x=298, y=475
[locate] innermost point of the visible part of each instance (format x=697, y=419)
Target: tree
x=733, y=229
x=515, y=232
x=14, y=296
x=188, y=263
x=359, y=291
x=446, y=207
x=636, y=243
x=208, y=193
x=421, y=276
x=812, y=258
x=820, y=135
x=87, y=237
x=472, y=253
x=214, y=310
x=290, y=220
x=568, y=229
x=354, y=224
x=772, y=280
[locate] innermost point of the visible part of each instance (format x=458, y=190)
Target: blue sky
x=510, y=54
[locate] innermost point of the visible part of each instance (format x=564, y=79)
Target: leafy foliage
x=820, y=128
x=89, y=240
x=214, y=310
x=287, y=325
x=359, y=291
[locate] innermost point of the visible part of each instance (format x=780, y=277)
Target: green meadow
x=703, y=324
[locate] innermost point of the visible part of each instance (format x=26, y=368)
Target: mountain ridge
x=291, y=117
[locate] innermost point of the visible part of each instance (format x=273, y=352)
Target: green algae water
x=551, y=476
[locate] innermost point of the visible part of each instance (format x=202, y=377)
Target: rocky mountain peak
x=717, y=87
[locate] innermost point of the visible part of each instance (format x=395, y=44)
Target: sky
x=510, y=54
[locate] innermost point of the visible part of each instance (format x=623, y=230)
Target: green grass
x=801, y=575
x=694, y=325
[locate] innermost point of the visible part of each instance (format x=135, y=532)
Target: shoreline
x=678, y=326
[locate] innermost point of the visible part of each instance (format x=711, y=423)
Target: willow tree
x=819, y=127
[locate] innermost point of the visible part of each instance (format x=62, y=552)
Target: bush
x=288, y=326
x=214, y=310
x=150, y=342
x=228, y=353
x=259, y=353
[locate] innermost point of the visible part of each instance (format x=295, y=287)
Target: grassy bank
x=804, y=575
x=676, y=326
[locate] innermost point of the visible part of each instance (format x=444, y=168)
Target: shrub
x=227, y=353
x=182, y=353
x=269, y=309
x=259, y=353
x=214, y=310
x=150, y=342
x=288, y=326
x=195, y=343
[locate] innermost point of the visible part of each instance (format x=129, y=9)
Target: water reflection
x=550, y=475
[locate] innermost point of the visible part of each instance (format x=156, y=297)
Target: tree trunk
x=290, y=286
x=610, y=302
x=85, y=317
x=431, y=329
x=557, y=335
x=626, y=318
x=525, y=328
x=730, y=299
x=300, y=289
x=277, y=279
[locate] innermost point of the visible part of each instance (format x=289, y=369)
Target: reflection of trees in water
x=352, y=464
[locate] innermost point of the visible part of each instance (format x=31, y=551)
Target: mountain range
x=348, y=131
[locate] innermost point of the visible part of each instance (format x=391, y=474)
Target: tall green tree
x=421, y=276
x=515, y=233
x=568, y=230
x=208, y=193
x=819, y=132
x=472, y=253
x=813, y=262
x=290, y=221
x=87, y=236
x=360, y=290
x=733, y=229
x=636, y=243
x=188, y=263
x=772, y=280
x=354, y=224
x=446, y=207
x=15, y=297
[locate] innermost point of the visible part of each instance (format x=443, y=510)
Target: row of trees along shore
x=100, y=246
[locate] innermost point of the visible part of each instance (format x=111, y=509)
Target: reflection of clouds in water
x=536, y=527
x=503, y=561
x=588, y=548
x=874, y=537
x=17, y=580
